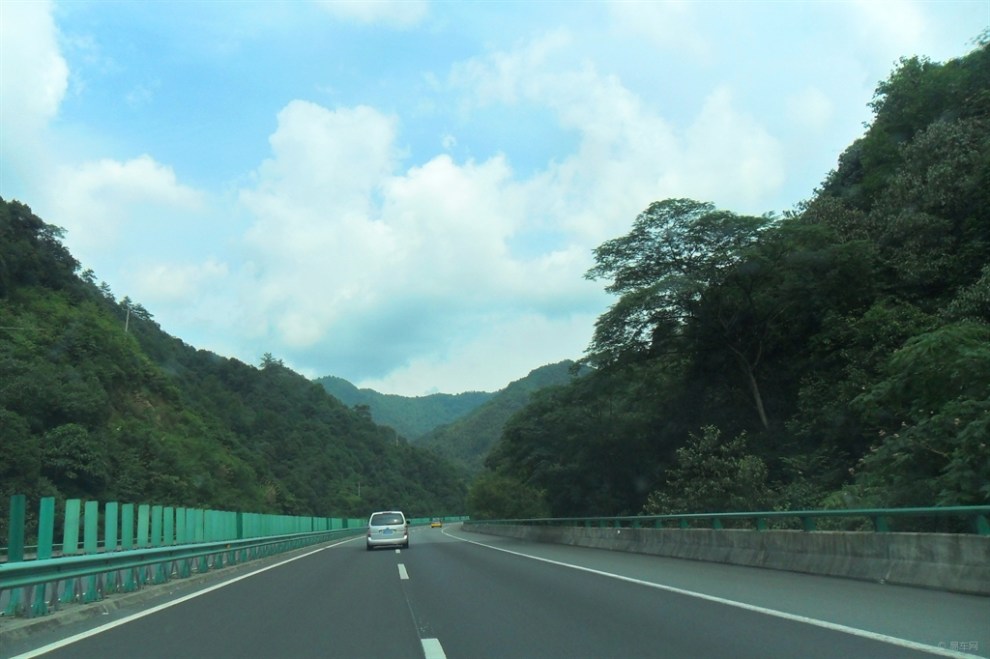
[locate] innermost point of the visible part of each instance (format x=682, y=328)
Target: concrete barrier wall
x=953, y=562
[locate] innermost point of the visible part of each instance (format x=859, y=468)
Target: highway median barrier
x=957, y=562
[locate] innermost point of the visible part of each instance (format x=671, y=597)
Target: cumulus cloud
x=34, y=73
x=731, y=156
x=314, y=237
x=98, y=202
x=34, y=78
x=348, y=247
x=628, y=154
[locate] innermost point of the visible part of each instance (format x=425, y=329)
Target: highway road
x=469, y=596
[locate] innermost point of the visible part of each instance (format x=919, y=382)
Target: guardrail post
x=181, y=538
x=157, y=514
x=143, y=533
x=91, y=545
x=716, y=523
x=15, y=545
x=808, y=523
x=143, y=523
x=880, y=524
x=982, y=525
x=168, y=526
x=110, y=523
x=46, y=538
x=70, y=531
x=127, y=542
x=70, y=543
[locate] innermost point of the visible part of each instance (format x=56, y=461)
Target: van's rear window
x=385, y=520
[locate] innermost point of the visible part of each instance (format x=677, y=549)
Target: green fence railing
x=976, y=518
x=124, y=546
x=450, y=519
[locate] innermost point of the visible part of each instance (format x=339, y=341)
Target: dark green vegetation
x=97, y=402
x=411, y=417
x=467, y=441
x=837, y=356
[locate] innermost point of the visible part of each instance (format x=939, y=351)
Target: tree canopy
x=846, y=340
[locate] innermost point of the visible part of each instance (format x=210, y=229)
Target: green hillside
x=411, y=417
x=838, y=355
x=467, y=440
x=97, y=402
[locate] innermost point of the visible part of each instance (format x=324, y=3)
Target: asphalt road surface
x=461, y=595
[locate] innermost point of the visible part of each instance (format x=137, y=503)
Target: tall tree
x=677, y=249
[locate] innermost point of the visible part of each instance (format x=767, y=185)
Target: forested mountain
x=97, y=402
x=410, y=416
x=838, y=355
x=467, y=441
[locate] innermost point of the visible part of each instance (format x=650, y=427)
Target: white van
x=388, y=528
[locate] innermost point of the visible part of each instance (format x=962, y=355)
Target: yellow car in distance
x=436, y=523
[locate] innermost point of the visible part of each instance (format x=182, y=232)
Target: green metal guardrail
x=125, y=546
x=424, y=521
x=979, y=517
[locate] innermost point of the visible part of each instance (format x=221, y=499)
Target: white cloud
x=522, y=343
x=317, y=245
x=894, y=26
x=346, y=252
x=167, y=283
x=33, y=81
x=628, y=154
x=731, y=157
x=34, y=73
x=323, y=159
x=393, y=13
x=98, y=202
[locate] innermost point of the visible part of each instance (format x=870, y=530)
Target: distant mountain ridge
x=467, y=441
x=411, y=417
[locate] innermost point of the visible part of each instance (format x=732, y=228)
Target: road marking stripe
x=402, y=572
x=155, y=609
x=432, y=649
x=893, y=640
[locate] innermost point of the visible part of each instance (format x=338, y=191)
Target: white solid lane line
x=155, y=609
x=883, y=638
x=432, y=649
x=402, y=572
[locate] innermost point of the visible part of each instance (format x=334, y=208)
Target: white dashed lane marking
x=432, y=649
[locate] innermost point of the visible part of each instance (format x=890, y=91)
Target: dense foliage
x=836, y=356
x=97, y=402
x=467, y=440
x=411, y=417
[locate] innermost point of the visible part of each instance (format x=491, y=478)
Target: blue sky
x=407, y=194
